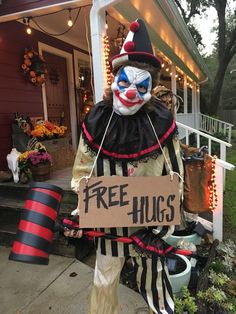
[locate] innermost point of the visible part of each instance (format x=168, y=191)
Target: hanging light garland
x=106, y=59
x=28, y=21
x=213, y=197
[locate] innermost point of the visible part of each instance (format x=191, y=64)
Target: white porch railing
x=216, y=226
x=212, y=125
x=187, y=130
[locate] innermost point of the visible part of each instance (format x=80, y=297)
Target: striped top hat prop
x=137, y=47
x=36, y=227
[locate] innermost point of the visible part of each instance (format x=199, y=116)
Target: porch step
x=19, y=192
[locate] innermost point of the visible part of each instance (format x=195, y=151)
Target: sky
x=204, y=23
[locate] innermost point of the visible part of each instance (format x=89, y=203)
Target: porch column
x=198, y=98
x=185, y=95
x=97, y=27
x=193, y=98
x=173, y=78
x=195, y=106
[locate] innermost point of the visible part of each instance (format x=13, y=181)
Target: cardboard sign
x=129, y=201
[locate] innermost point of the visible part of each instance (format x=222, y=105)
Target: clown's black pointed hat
x=137, y=47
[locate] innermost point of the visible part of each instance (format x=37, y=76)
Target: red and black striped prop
x=144, y=240
x=36, y=228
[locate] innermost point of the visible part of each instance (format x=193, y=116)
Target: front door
x=57, y=95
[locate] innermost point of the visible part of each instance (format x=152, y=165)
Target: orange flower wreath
x=34, y=67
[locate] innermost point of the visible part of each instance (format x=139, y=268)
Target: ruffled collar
x=128, y=138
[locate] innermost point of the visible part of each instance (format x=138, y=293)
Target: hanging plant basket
x=34, y=67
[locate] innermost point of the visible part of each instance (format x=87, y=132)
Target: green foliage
x=218, y=279
x=229, y=201
x=186, y=303
x=217, y=299
x=217, y=266
x=227, y=250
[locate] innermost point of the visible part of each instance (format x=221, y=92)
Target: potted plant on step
x=38, y=161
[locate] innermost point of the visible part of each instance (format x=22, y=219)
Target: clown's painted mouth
x=127, y=103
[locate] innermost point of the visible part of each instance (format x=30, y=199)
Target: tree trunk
x=217, y=87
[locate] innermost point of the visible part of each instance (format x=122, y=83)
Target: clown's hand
x=73, y=233
x=72, y=228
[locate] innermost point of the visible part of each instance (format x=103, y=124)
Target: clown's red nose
x=131, y=93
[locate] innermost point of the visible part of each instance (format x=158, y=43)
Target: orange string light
x=106, y=59
x=213, y=197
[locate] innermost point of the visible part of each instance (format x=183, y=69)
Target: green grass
x=229, y=201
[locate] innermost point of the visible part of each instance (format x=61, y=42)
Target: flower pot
x=178, y=280
x=41, y=172
x=192, y=238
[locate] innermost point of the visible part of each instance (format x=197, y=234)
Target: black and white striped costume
x=152, y=274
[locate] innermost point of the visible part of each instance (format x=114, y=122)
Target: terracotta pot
x=41, y=172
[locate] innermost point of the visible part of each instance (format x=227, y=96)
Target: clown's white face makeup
x=131, y=90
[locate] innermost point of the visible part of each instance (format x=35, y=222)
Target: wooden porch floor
x=61, y=178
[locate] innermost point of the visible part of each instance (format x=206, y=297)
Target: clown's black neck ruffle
x=129, y=138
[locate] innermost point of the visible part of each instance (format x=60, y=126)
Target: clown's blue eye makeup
x=123, y=81
x=123, y=84
x=143, y=86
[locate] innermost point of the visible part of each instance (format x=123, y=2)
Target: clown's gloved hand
x=72, y=228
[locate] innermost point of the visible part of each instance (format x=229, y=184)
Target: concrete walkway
x=62, y=287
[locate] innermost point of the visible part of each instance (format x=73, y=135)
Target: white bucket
x=182, y=279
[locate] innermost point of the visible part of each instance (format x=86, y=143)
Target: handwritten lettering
x=105, y=197
x=159, y=210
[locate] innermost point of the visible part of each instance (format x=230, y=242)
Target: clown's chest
x=151, y=167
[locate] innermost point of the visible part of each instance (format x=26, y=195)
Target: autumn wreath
x=34, y=67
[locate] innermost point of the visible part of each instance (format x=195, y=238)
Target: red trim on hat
x=134, y=26
x=133, y=53
x=127, y=156
x=129, y=46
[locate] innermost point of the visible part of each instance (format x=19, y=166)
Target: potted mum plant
x=38, y=161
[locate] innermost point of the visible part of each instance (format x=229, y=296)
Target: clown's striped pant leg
x=104, y=295
x=154, y=285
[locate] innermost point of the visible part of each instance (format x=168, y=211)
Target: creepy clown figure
x=129, y=133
